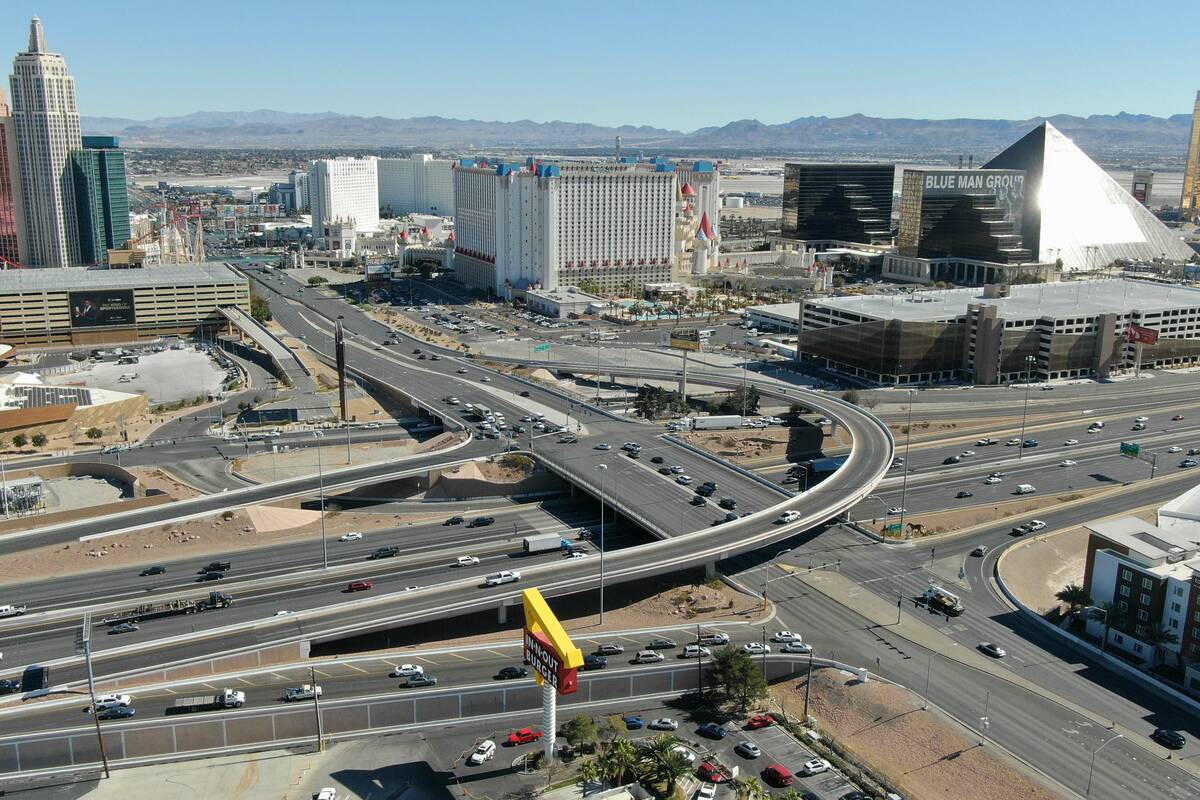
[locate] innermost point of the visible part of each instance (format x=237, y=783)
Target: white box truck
x=542, y=543
x=717, y=423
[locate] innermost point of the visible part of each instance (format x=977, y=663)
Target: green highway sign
x=541, y=348
x=894, y=527
x=1130, y=449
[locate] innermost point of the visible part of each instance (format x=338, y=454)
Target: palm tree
x=662, y=763
x=1114, y=617
x=1156, y=637
x=589, y=773
x=750, y=788
x=1074, y=596
x=623, y=760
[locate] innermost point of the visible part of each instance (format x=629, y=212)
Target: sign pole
x=549, y=719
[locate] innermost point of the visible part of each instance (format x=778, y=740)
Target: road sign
x=1130, y=449
x=895, y=527
x=541, y=348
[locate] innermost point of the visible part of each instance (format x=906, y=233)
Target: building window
x=1175, y=624
x=1144, y=599
x=1176, y=607
x=1137, y=648
x=1119, y=639
x=1125, y=591
x=1121, y=604
x=1126, y=574
x=1143, y=615
x=1147, y=583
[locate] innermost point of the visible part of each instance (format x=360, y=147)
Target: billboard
x=103, y=308
x=548, y=648
x=1006, y=186
x=685, y=339
x=1141, y=335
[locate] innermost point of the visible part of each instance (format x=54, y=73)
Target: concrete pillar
x=549, y=718
x=710, y=569
x=502, y=615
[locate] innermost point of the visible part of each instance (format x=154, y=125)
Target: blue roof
x=703, y=166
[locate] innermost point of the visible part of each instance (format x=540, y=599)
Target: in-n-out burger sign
x=546, y=662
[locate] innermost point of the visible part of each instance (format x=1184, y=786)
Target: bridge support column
x=710, y=569
x=502, y=616
x=683, y=377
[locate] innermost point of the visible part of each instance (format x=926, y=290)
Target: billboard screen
x=102, y=308
x=1007, y=186
x=685, y=339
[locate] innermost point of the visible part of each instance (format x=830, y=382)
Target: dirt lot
x=947, y=521
x=763, y=444
x=926, y=755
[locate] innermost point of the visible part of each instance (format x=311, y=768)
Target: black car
x=508, y=673
x=697, y=500
x=951, y=460
x=524, y=393
x=155, y=570
x=117, y=712
x=8, y=687
x=1168, y=738
x=594, y=662
x=656, y=460
x=417, y=681
x=664, y=470
x=455, y=520
x=481, y=522
x=211, y=576
x=964, y=494
x=728, y=503
x=384, y=552
x=705, y=491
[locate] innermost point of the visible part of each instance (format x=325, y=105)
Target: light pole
x=1088, y=792
x=808, y=683
x=321, y=485
x=1025, y=408
x=912, y=393
x=603, y=469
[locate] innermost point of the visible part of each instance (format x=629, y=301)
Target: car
x=610, y=649
x=113, y=701
x=524, y=736
x=485, y=379
x=686, y=753
x=728, y=503
x=353, y=536
x=1141, y=419
x=747, y=749
x=360, y=586
x=1169, y=738
x=694, y=651
x=707, y=791
x=1138, y=426
x=683, y=480
x=786, y=636
x=799, y=648
x=698, y=500
x=664, y=471
x=462, y=370
x=663, y=644
x=1176, y=418
x=384, y=552
x=601, y=446
x=633, y=722
x=584, y=533
x=1188, y=462
x=455, y=520
x=1174, y=449
x=855, y=794
x=664, y=724
x=591, y=662
x=986, y=442
x=481, y=522
x=648, y=657
x=155, y=570
x=951, y=460
x=9, y=686
x=510, y=673
x=760, y=721
x=1066, y=462
x=678, y=470
x=657, y=460
x=406, y=671
x=485, y=751
x=962, y=495
x=814, y=766
x=1070, y=442
x=1020, y=530
x=993, y=650
x=756, y=648
x=980, y=550
x=502, y=577
x=714, y=638
x=634, y=454
x=897, y=510
x=1012, y=443
x=211, y=576
x=966, y=454
x=992, y=479
x=123, y=627
x=1035, y=525
x=778, y=775
x=1193, y=451
x=1030, y=443
x=466, y=561
x=118, y=712
x=710, y=772
x=523, y=393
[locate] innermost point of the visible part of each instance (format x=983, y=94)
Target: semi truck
x=942, y=601
x=717, y=423
x=226, y=698
x=544, y=543
x=171, y=608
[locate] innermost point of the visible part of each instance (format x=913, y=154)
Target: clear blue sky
x=655, y=62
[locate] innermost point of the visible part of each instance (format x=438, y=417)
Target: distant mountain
x=855, y=133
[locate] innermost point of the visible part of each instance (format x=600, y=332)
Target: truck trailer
x=717, y=423
x=544, y=543
x=226, y=698
x=171, y=608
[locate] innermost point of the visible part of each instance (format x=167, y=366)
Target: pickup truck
x=305, y=692
x=226, y=698
x=216, y=566
x=11, y=611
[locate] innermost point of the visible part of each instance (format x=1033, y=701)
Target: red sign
x=1139, y=335
x=547, y=663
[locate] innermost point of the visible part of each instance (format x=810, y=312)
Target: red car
x=524, y=736
x=778, y=775
x=760, y=721
x=711, y=773
x=360, y=586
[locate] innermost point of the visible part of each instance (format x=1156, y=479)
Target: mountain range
x=1116, y=133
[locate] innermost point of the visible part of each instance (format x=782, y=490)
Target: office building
x=299, y=182
x=996, y=334
x=419, y=184
x=842, y=202
x=345, y=191
x=1142, y=185
x=546, y=226
x=1190, y=200
x=973, y=214
x=78, y=306
x=101, y=198
x=46, y=120
x=13, y=246
x=1076, y=212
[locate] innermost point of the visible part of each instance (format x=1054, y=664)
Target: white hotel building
x=419, y=184
x=553, y=225
x=344, y=190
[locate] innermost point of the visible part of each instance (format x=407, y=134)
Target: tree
x=93, y=433
x=580, y=732
x=606, y=731
x=750, y=788
x=1156, y=637
x=619, y=762
x=317, y=280
x=260, y=309
x=1114, y=617
x=737, y=677
x=20, y=440
x=653, y=401
x=733, y=402
x=589, y=772
x=39, y=440
x=850, y=396
x=1074, y=596
x=662, y=763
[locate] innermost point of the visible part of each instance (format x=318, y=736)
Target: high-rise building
x=101, y=197
x=1075, y=211
x=1142, y=185
x=557, y=225
x=344, y=190
x=13, y=246
x=419, y=184
x=842, y=202
x=973, y=214
x=46, y=120
x=1190, y=201
x=299, y=182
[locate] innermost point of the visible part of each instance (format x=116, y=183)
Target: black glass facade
x=847, y=202
x=972, y=214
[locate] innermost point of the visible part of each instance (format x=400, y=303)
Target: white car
x=694, y=651
x=485, y=379
x=1066, y=462
x=578, y=554
x=327, y=793
x=466, y=561
x=1012, y=443
x=676, y=469
x=785, y=636
x=1174, y=449
x=897, y=510
x=353, y=536
x=796, y=647
x=1036, y=525
x=663, y=724
x=504, y=576
x=991, y=479
x=685, y=753
x=683, y=480
x=1070, y=442
x=756, y=648
x=603, y=446
x=1141, y=419
x=106, y=701
x=814, y=766
x=462, y=370
x=649, y=657
x=788, y=516
x=407, y=671
x=707, y=791
x=486, y=751
x=966, y=453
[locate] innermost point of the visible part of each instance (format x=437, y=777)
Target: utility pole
x=907, y=445
x=808, y=684
x=84, y=644
x=321, y=484
x=699, y=664
x=603, y=469
x=1025, y=408
x=312, y=678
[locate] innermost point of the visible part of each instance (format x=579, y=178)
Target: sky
x=656, y=62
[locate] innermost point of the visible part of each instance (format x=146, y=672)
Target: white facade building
x=46, y=121
x=299, y=182
x=344, y=190
x=419, y=184
x=705, y=178
x=546, y=226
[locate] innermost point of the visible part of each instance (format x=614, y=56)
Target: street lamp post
x=907, y=444
x=1025, y=408
x=1088, y=792
x=603, y=469
x=321, y=485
